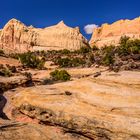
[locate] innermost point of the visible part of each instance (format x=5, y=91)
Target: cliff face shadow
x=3, y=102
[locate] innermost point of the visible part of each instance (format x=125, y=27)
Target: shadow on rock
x=3, y=102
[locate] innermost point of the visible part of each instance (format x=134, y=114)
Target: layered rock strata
x=102, y=108
x=109, y=34
x=17, y=37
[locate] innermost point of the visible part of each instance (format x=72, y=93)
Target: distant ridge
x=109, y=34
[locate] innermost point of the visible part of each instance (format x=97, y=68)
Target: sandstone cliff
x=110, y=34
x=17, y=37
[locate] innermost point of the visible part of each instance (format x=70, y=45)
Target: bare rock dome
x=17, y=37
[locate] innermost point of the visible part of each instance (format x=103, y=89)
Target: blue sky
x=42, y=13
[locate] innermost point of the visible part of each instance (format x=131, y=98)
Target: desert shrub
x=123, y=40
x=107, y=60
x=42, y=53
x=62, y=62
x=52, y=52
x=128, y=46
x=60, y=52
x=91, y=58
x=95, y=48
x=28, y=75
x=108, y=53
x=14, y=55
x=108, y=50
x=69, y=62
x=77, y=62
x=29, y=59
x=11, y=68
x=61, y=75
x=5, y=72
x=65, y=51
x=135, y=49
x=83, y=50
x=123, y=47
x=133, y=46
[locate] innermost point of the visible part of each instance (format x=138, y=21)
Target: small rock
x=97, y=74
x=68, y=93
x=97, y=66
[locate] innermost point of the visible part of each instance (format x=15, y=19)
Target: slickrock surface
x=17, y=37
x=12, y=130
x=12, y=82
x=102, y=108
x=9, y=61
x=110, y=33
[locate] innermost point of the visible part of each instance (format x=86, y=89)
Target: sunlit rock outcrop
x=109, y=34
x=17, y=37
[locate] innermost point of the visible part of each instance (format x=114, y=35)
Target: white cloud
x=90, y=28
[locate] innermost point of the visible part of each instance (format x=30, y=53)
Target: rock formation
x=11, y=130
x=17, y=37
x=101, y=108
x=109, y=34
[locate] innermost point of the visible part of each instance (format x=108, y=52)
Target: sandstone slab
x=13, y=130
x=102, y=108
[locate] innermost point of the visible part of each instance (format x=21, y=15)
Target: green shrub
x=84, y=50
x=95, y=48
x=14, y=55
x=28, y=75
x=77, y=62
x=29, y=59
x=108, y=53
x=107, y=60
x=108, y=49
x=62, y=62
x=61, y=75
x=91, y=58
x=123, y=40
x=5, y=72
x=128, y=46
x=135, y=49
x=69, y=62
x=61, y=52
x=65, y=51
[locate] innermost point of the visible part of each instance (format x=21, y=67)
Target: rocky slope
x=17, y=37
x=102, y=108
x=12, y=130
x=110, y=33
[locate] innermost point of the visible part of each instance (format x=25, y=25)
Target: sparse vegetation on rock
x=7, y=70
x=60, y=75
x=129, y=46
x=29, y=59
x=126, y=56
x=69, y=62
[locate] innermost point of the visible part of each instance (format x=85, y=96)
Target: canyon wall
x=17, y=37
x=109, y=34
